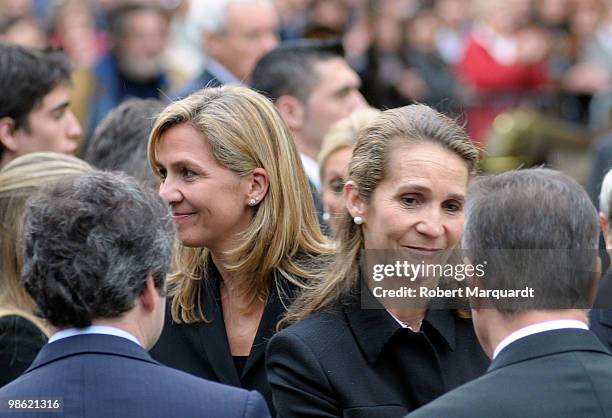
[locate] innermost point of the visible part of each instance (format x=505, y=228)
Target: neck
x=304, y=146
x=6, y=157
x=412, y=317
x=498, y=326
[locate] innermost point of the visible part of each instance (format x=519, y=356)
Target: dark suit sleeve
x=299, y=385
x=256, y=407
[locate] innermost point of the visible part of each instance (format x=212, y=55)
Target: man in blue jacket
x=97, y=251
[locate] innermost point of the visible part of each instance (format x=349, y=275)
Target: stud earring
x=358, y=220
x=253, y=201
x=326, y=216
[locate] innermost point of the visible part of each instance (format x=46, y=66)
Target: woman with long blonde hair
x=22, y=333
x=249, y=234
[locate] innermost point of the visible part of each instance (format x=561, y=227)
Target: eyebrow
x=425, y=189
x=60, y=106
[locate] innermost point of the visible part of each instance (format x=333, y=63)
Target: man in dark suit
x=97, y=251
x=534, y=229
x=313, y=87
x=235, y=34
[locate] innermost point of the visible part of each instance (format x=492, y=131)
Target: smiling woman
x=405, y=190
x=250, y=239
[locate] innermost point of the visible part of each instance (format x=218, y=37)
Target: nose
x=358, y=101
x=431, y=225
x=73, y=127
x=169, y=192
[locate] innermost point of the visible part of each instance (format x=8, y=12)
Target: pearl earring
x=358, y=220
x=253, y=201
x=326, y=216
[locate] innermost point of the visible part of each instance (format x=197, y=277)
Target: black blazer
x=202, y=349
x=104, y=376
x=20, y=342
x=600, y=316
x=562, y=374
x=361, y=363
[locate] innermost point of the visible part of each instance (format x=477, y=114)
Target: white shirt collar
x=93, y=329
x=537, y=328
x=221, y=73
x=311, y=167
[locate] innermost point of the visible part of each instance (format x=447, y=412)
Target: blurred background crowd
x=530, y=78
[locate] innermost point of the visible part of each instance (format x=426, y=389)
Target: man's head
x=533, y=228
x=120, y=140
x=236, y=33
x=97, y=249
x=138, y=35
x=34, y=104
x=312, y=86
x=605, y=220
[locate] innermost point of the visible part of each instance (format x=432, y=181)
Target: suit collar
x=374, y=328
x=547, y=343
x=87, y=344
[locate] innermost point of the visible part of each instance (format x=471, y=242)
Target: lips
x=182, y=216
x=423, y=250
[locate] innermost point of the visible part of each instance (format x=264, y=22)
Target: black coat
x=361, y=363
x=202, y=349
x=562, y=374
x=20, y=342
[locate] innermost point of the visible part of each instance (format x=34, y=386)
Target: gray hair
x=90, y=243
x=211, y=16
x=534, y=228
x=605, y=195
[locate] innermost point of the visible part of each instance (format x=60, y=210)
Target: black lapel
x=211, y=336
x=281, y=295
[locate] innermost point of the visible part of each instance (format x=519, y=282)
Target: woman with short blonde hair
x=21, y=332
x=247, y=223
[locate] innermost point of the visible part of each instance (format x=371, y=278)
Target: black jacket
x=20, y=342
x=202, y=349
x=562, y=373
x=361, y=363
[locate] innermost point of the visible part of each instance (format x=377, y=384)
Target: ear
x=353, y=201
x=595, y=276
x=212, y=42
x=259, y=182
x=149, y=298
x=292, y=111
x=8, y=139
x=603, y=223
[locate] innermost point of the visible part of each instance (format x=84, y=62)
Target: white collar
x=93, y=329
x=311, y=167
x=537, y=328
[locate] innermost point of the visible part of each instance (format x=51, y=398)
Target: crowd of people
x=190, y=191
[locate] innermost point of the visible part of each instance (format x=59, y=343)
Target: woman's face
x=334, y=173
x=419, y=206
x=209, y=201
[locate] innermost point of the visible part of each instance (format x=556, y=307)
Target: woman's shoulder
x=17, y=326
x=330, y=323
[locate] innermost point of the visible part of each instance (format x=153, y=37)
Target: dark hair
x=89, y=244
x=118, y=16
x=28, y=75
x=534, y=228
x=120, y=140
x=289, y=69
